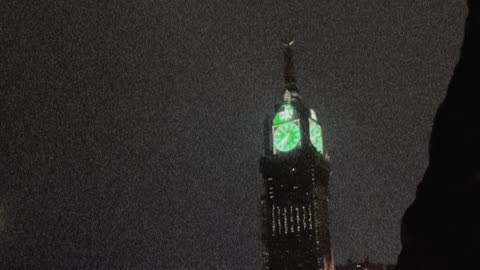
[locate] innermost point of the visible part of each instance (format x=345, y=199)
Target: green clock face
x=286, y=136
x=316, y=136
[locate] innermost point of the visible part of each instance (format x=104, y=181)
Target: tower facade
x=295, y=170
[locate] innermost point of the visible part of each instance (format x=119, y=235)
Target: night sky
x=130, y=132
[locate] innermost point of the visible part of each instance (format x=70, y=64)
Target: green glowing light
x=286, y=137
x=316, y=136
x=286, y=113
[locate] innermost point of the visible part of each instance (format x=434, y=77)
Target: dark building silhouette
x=295, y=169
x=441, y=229
x=390, y=267
x=365, y=265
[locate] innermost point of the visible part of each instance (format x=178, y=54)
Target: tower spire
x=289, y=68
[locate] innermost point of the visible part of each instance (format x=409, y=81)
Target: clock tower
x=295, y=170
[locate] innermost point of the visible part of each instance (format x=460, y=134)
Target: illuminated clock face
x=316, y=136
x=286, y=136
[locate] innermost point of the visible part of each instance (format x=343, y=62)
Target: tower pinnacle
x=289, y=69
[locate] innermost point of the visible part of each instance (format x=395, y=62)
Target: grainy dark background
x=130, y=132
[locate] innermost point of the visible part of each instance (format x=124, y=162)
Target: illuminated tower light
x=304, y=221
x=285, y=219
x=287, y=97
x=310, y=215
x=273, y=219
x=298, y=219
x=279, y=221
x=291, y=219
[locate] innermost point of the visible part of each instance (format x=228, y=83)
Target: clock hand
x=284, y=141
